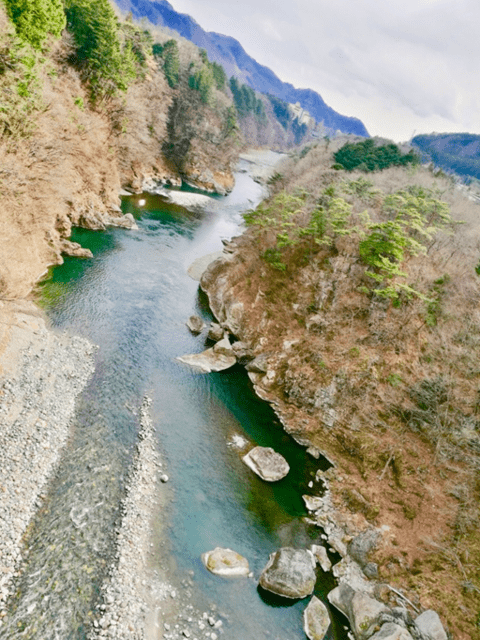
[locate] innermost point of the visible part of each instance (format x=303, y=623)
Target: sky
x=403, y=67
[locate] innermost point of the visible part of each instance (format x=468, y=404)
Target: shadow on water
x=132, y=300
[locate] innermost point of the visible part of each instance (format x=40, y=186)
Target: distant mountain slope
x=458, y=152
x=229, y=52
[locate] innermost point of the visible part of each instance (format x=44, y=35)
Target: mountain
x=458, y=152
x=232, y=56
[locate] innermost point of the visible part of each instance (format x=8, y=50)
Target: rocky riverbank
x=41, y=374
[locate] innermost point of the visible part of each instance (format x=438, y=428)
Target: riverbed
x=132, y=300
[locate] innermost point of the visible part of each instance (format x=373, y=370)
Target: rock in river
x=267, y=463
x=289, y=573
x=316, y=619
x=225, y=562
x=195, y=324
x=209, y=361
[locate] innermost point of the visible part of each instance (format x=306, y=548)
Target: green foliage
x=414, y=216
x=34, y=20
x=368, y=157
x=20, y=87
x=218, y=75
x=139, y=40
x=79, y=102
x=105, y=55
x=203, y=82
x=434, y=303
x=246, y=101
x=231, y=124
x=171, y=62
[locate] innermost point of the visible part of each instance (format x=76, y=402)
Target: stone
x=289, y=573
x=391, y=631
x=259, y=364
x=341, y=598
x=243, y=352
x=223, y=347
x=316, y=619
x=208, y=361
x=362, y=545
x=365, y=614
x=215, y=332
x=74, y=250
x=200, y=265
x=225, y=562
x=267, y=463
x=320, y=555
x=430, y=625
x=313, y=503
x=371, y=570
x=195, y=324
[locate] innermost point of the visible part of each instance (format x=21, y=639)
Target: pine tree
x=34, y=20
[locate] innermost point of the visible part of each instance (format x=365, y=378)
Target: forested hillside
x=457, y=152
x=231, y=55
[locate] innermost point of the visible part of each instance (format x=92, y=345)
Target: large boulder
x=225, y=562
x=363, y=612
x=195, y=324
x=289, y=573
x=224, y=347
x=267, y=463
x=208, y=361
x=430, y=625
x=200, y=265
x=362, y=545
x=215, y=332
x=391, y=631
x=316, y=619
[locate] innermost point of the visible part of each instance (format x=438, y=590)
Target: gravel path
x=41, y=375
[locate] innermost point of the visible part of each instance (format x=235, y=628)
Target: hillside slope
x=378, y=372
x=231, y=55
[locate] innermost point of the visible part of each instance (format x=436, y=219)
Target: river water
x=132, y=300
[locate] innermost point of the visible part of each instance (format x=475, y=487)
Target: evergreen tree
x=34, y=20
x=109, y=66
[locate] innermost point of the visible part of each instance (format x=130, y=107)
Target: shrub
x=366, y=156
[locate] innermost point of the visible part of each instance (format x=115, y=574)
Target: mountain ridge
x=229, y=52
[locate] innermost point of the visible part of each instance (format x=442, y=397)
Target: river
x=132, y=300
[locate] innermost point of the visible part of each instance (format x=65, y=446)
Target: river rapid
x=132, y=300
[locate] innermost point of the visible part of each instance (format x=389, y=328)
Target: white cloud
x=397, y=66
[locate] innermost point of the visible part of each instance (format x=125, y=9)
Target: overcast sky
x=401, y=66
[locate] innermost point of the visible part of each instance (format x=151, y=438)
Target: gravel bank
x=41, y=374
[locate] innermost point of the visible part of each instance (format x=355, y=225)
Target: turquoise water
x=132, y=300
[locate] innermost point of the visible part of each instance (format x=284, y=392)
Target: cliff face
x=386, y=391
x=231, y=55
x=69, y=167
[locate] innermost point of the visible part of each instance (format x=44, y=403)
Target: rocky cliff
x=384, y=387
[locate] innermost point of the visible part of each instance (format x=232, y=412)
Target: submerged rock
x=289, y=573
x=195, y=324
x=225, y=562
x=316, y=619
x=267, y=463
x=208, y=361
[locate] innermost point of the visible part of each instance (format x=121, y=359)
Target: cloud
x=373, y=59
